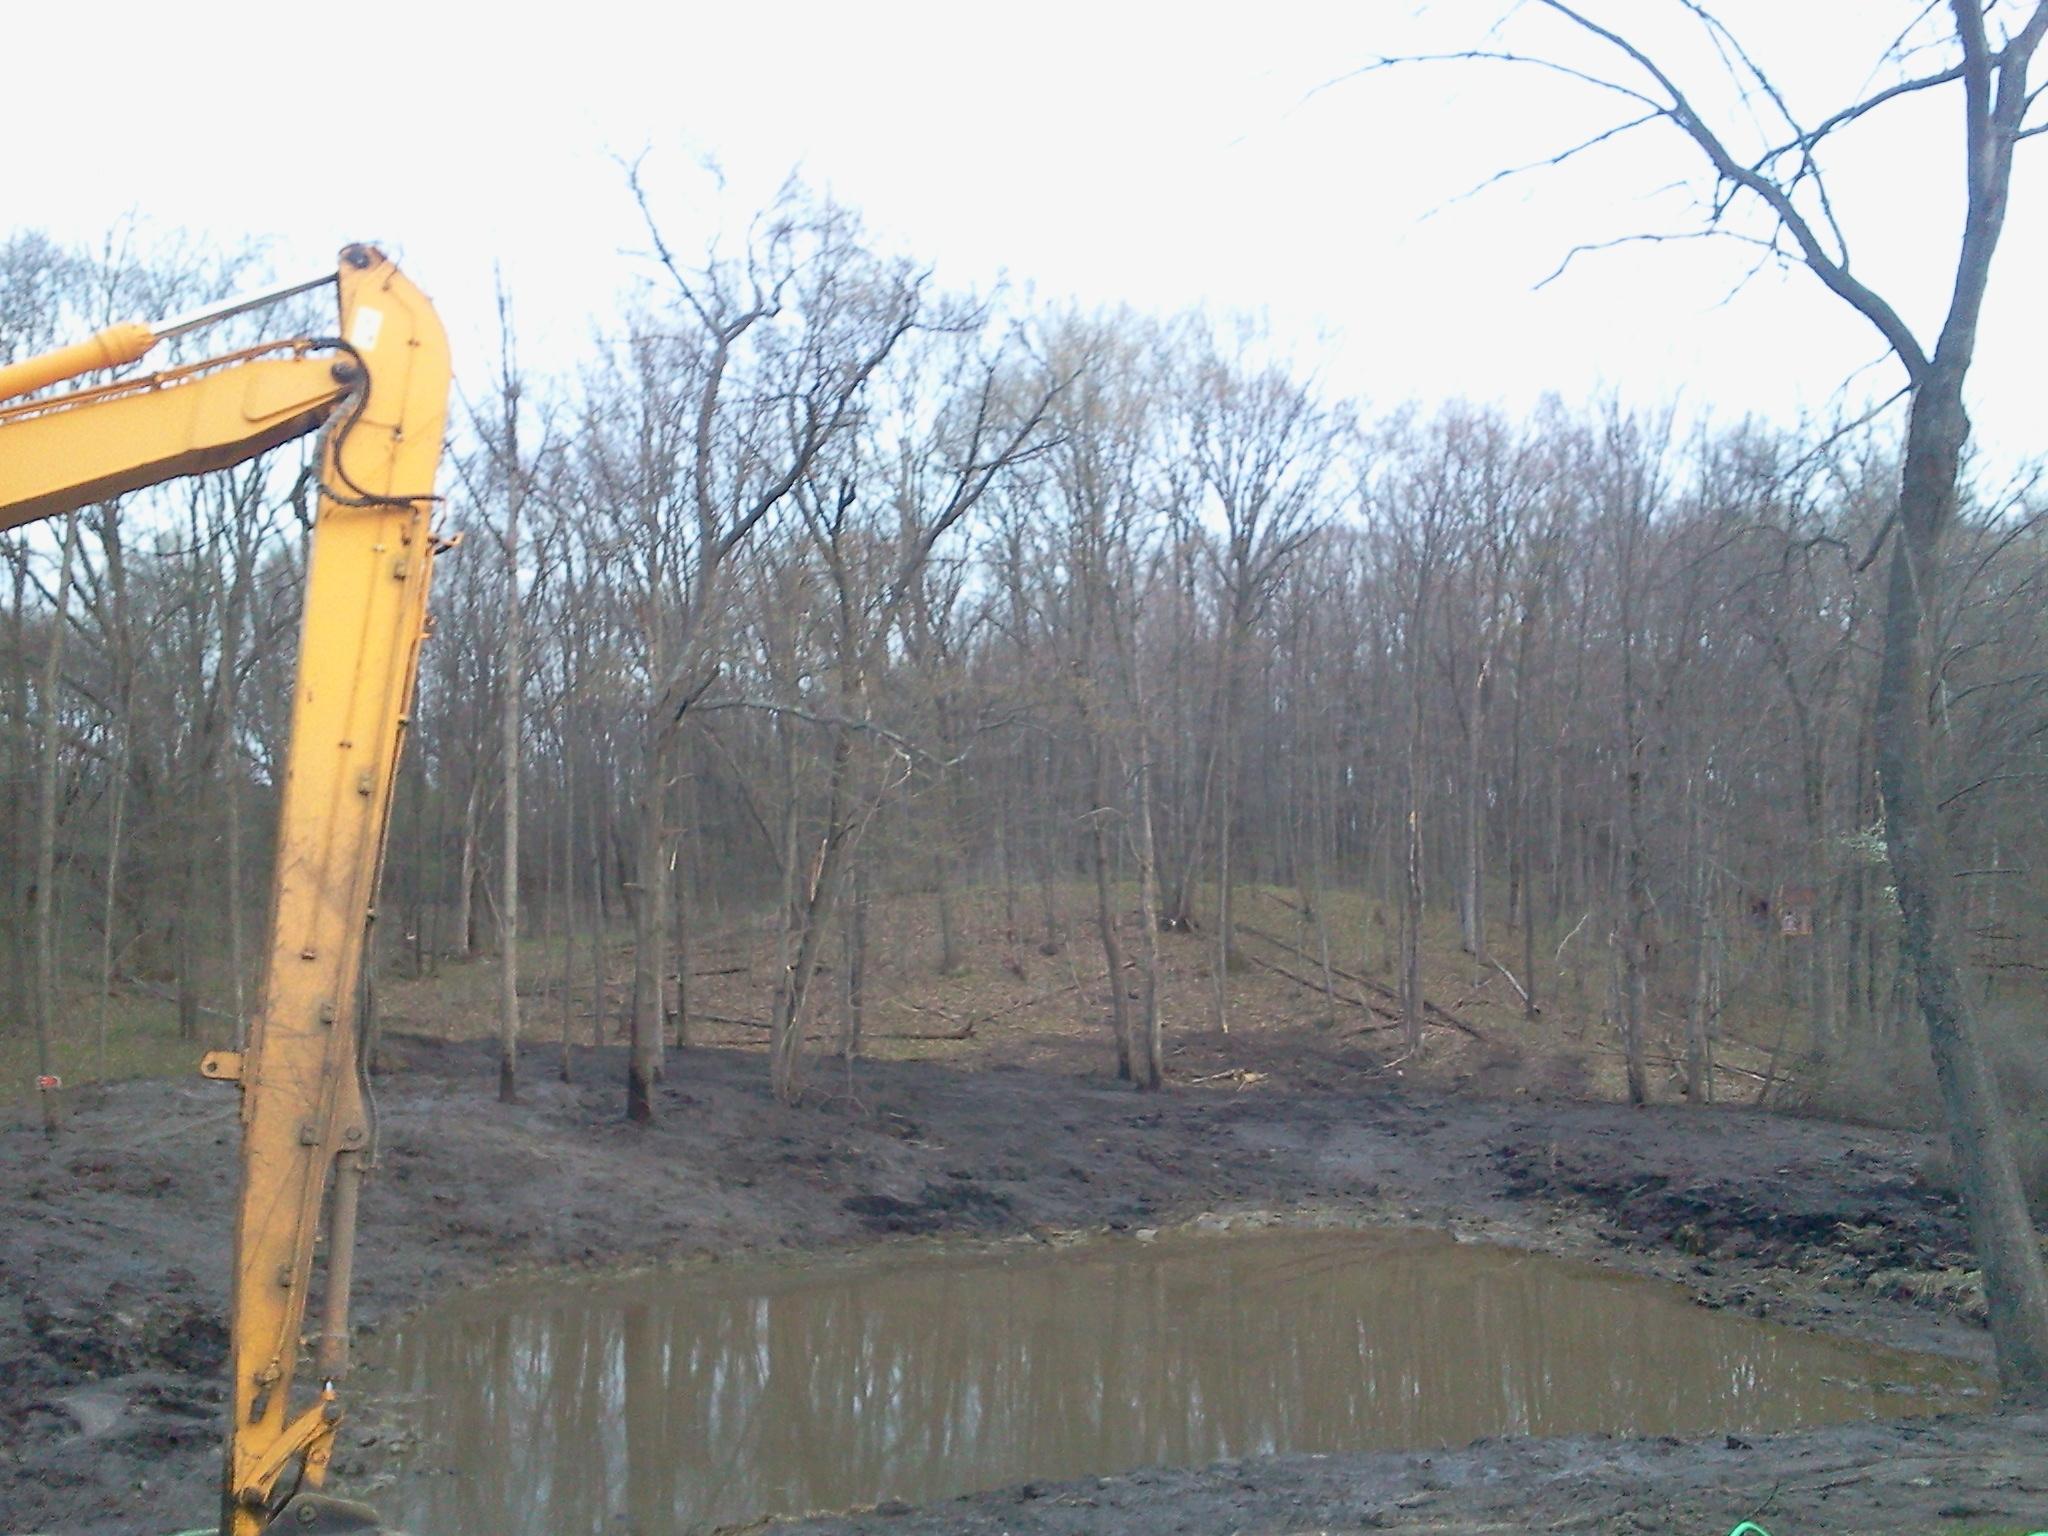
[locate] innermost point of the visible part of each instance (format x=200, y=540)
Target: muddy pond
x=672, y=1402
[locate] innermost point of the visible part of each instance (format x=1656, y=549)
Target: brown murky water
x=671, y=1402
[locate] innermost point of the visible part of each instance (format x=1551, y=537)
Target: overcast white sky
x=1163, y=155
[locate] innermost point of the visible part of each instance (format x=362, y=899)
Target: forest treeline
x=815, y=583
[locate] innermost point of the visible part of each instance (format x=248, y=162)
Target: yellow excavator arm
x=380, y=387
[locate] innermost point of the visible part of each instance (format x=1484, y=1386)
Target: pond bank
x=113, y=1259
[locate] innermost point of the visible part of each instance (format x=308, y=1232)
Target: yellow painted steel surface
x=110, y=348
x=62, y=454
x=302, y=1103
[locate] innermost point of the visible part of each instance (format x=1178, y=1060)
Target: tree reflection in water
x=671, y=1402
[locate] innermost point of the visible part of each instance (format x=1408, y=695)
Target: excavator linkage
x=380, y=390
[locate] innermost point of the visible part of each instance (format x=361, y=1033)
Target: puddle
x=674, y=1402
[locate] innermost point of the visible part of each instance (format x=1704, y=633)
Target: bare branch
x=810, y=716
x=1491, y=56
x=1647, y=237
x=1825, y=265
x=1842, y=119
x=1548, y=162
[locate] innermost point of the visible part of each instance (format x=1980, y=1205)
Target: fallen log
x=996, y=1013
x=966, y=1032
x=1317, y=988
x=1659, y=1059
x=1520, y=990
x=1437, y=1011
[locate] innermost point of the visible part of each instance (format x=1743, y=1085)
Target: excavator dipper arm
x=381, y=389
x=303, y=1111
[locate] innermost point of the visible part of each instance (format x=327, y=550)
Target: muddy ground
x=113, y=1267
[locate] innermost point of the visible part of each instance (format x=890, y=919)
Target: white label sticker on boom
x=362, y=333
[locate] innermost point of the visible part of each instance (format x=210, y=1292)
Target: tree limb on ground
x=1520, y=990
x=996, y=1013
x=965, y=1032
x=1658, y=1059
x=1334, y=996
x=1436, y=1011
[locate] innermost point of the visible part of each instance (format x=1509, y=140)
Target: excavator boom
x=90, y=447
x=381, y=390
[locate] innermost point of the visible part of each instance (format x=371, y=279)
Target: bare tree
x=1981, y=55
x=989, y=418
x=506, y=475
x=44, y=892
x=822, y=314
x=1412, y=496
x=1263, y=445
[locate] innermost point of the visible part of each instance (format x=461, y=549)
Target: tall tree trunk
x=1180, y=887
x=116, y=827
x=1472, y=894
x=1152, y=1072
x=1226, y=816
x=856, y=942
x=1855, y=909
x=600, y=996
x=231, y=785
x=1635, y=914
x=432, y=908
x=650, y=934
x=1313, y=893
x=679, y=901
x=1048, y=852
x=1531, y=1007
x=569, y=896
x=2015, y=1283
x=1634, y=892
x=1105, y=908
x=1412, y=889
x=185, y=948
x=1521, y=830
x=1220, y=994
x=1309, y=836
x=811, y=917
x=1820, y=996
x=1527, y=831
x=1855, y=1000
x=942, y=886
x=512, y=682
x=46, y=833
x=1006, y=870
x=465, y=887
x=1702, y=1004
x=691, y=914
